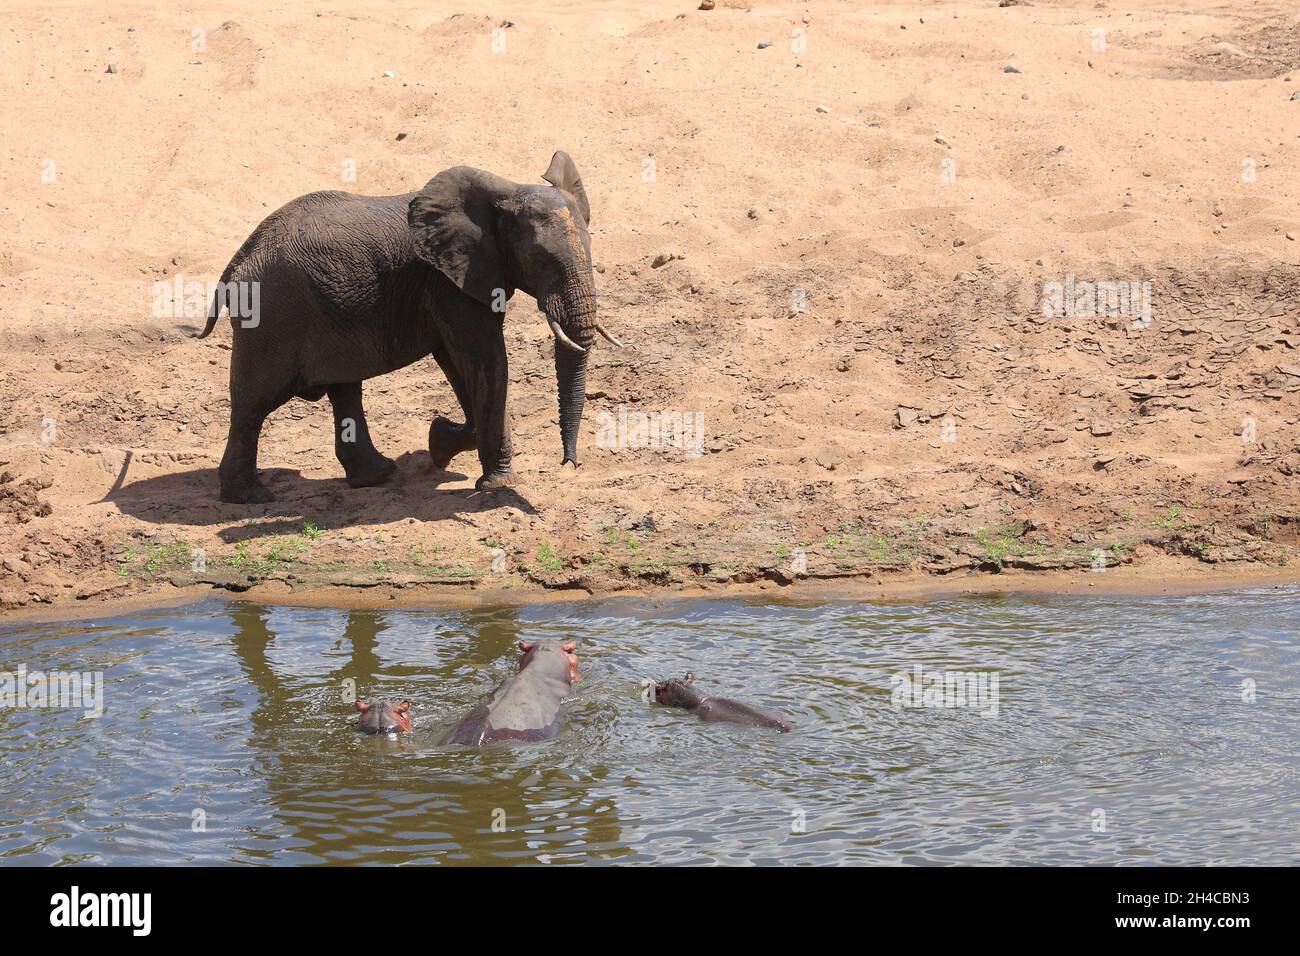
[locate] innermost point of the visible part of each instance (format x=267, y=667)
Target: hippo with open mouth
x=681, y=692
x=527, y=705
x=384, y=717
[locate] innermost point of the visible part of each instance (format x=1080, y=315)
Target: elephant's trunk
x=571, y=311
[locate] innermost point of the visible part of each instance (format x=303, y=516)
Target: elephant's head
x=491, y=236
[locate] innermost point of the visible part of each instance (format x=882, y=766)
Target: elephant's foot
x=251, y=492
x=496, y=481
x=447, y=440
x=373, y=470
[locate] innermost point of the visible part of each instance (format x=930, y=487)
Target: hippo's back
x=737, y=712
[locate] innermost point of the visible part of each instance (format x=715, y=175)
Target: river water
x=1108, y=731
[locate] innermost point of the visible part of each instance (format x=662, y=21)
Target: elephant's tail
x=218, y=300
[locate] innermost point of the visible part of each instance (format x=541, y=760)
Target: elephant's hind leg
x=364, y=465
x=238, y=469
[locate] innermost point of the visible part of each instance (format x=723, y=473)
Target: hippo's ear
x=569, y=647
x=690, y=678
x=527, y=646
x=404, y=706
x=362, y=705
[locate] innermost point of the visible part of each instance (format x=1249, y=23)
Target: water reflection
x=402, y=799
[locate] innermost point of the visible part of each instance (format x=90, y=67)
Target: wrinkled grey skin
x=681, y=692
x=355, y=286
x=384, y=717
x=525, y=706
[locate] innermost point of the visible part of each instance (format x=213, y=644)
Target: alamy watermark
x=24, y=689
x=190, y=299
x=1093, y=300
x=946, y=689
x=626, y=428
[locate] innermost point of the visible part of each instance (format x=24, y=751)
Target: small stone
x=401, y=136
x=941, y=141
x=764, y=44
x=822, y=109
x=665, y=257
x=905, y=416
x=1010, y=69
x=112, y=68
x=829, y=462
x=1100, y=428
x=1291, y=236
x=958, y=243
x=706, y=5
x=389, y=74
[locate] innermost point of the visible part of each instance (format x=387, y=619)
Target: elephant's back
x=334, y=229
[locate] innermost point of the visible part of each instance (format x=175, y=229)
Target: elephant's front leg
x=446, y=438
x=477, y=347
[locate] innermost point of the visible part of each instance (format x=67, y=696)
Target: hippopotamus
x=527, y=705
x=681, y=692
x=384, y=717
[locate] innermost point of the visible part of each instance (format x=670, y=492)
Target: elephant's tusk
x=561, y=337
x=612, y=341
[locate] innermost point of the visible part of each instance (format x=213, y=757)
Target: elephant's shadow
x=190, y=498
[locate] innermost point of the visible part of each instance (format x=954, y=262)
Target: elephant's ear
x=453, y=222
x=562, y=174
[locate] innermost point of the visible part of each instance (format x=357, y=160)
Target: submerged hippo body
x=384, y=717
x=527, y=705
x=681, y=692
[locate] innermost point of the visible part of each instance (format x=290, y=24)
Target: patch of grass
x=548, y=560
x=1000, y=541
x=461, y=569
x=1171, y=518
x=155, y=560
x=312, y=532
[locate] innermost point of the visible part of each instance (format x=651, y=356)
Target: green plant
x=547, y=558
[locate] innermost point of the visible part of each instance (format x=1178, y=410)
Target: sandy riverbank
x=861, y=222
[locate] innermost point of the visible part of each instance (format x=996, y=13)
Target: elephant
x=347, y=287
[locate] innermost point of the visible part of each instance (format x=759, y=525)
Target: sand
x=864, y=225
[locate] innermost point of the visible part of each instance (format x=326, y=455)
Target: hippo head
x=553, y=656
x=678, y=692
x=384, y=717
